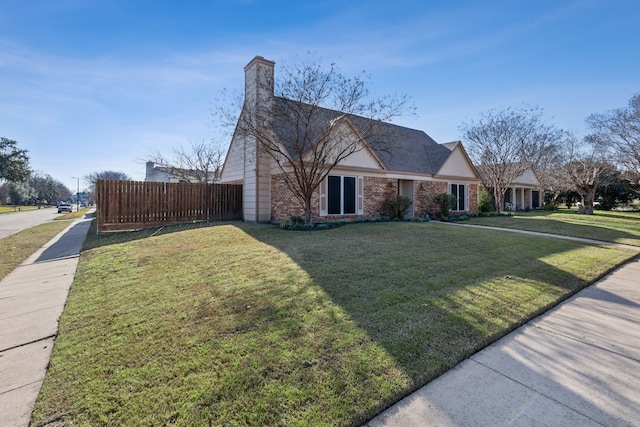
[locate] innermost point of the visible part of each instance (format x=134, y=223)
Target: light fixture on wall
x=391, y=184
x=422, y=186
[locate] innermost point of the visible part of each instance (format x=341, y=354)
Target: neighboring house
x=524, y=193
x=414, y=166
x=170, y=174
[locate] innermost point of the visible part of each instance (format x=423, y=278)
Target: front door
x=406, y=189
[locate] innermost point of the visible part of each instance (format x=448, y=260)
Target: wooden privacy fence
x=127, y=205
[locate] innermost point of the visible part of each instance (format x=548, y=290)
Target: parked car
x=64, y=207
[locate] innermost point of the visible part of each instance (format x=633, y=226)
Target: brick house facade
x=377, y=191
x=410, y=163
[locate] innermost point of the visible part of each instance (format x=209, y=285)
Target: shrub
x=484, y=201
x=292, y=222
x=397, y=207
x=445, y=202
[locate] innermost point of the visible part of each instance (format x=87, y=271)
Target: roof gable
x=458, y=163
x=364, y=157
x=528, y=177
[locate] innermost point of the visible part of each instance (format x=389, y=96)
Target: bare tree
x=201, y=163
x=555, y=182
x=91, y=178
x=504, y=144
x=619, y=132
x=63, y=191
x=45, y=187
x=313, y=119
x=552, y=174
x=585, y=169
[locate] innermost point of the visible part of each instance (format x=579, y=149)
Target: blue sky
x=91, y=85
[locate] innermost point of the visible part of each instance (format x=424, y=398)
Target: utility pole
x=77, y=194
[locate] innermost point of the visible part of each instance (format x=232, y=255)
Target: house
x=172, y=174
x=412, y=164
x=525, y=193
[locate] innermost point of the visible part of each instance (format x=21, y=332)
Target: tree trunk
x=586, y=200
x=499, y=198
x=308, y=215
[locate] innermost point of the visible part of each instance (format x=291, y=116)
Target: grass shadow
x=252, y=325
x=96, y=240
x=432, y=295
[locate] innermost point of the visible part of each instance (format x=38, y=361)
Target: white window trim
x=466, y=196
x=359, y=200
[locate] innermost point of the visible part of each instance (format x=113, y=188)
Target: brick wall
x=473, y=198
x=283, y=201
x=423, y=197
x=376, y=192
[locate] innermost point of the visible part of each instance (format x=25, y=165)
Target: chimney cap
x=260, y=59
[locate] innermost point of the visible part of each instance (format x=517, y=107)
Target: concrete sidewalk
x=576, y=365
x=32, y=298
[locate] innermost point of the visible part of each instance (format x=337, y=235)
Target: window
x=341, y=195
x=459, y=191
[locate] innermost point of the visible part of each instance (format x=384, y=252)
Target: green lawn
x=245, y=324
x=14, y=249
x=610, y=226
x=11, y=209
x=74, y=215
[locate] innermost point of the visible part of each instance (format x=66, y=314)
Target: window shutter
x=360, y=196
x=323, y=197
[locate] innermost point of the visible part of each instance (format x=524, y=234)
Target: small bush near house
x=461, y=217
x=292, y=222
x=484, y=201
x=296, y=222
x=444, y=202
x=397, y=207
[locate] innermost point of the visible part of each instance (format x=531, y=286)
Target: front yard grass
x=5, y=209
x=14, y=249
x=73, y=215
x=245, y=324
x=609, y=226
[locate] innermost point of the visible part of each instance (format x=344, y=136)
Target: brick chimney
x=258, y=90
x=258, y=81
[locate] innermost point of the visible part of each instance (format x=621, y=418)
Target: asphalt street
x=11, y=223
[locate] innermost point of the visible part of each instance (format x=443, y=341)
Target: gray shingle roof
x=399, y=148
